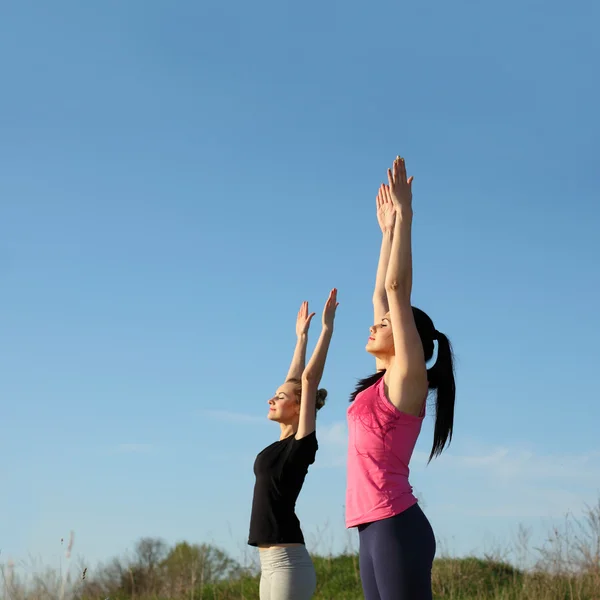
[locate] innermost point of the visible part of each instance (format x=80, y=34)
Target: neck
x=287, y=430
x=385, y=362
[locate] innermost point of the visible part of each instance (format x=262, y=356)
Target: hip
x=288, y=556
x=363, y=507
x=407, y=526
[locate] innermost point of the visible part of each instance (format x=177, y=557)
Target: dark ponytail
x=441, y=379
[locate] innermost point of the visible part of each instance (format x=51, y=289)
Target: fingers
x=384, y=196
x=303, y=309
x=402, y=167
x=332, y=300
x=397, y=175
x=387, y=193
x=400, y=170
x=330, y=308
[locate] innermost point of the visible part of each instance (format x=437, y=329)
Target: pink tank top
x=380, y=445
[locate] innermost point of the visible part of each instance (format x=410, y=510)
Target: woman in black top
x=287, y=572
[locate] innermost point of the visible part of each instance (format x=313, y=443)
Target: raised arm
x=302, y=325
x=407, y=380
x=386, y=218
x=314, y=370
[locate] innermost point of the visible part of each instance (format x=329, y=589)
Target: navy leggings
x=396, y=556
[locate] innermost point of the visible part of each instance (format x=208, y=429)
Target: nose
x=372, y=329
x=271, y=401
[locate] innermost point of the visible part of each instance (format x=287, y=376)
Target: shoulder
x=307, y=440
x=304, y=449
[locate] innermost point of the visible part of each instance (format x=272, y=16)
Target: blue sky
x=178, y=176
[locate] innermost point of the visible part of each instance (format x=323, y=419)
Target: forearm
x=398, y=279
x=299, y=358
x=316, y=365
x=379, y=295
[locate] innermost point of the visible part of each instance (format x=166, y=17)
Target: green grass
x=338, y=579
x=456, y=579
x=567, y=567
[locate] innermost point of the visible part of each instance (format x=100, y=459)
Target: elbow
x=396, y=286
x=391, y=285
x=397, y=291
x=310, y=377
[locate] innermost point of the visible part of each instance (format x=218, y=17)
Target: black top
x=280, y=470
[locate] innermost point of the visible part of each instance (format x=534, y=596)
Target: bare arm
x=386, y=218
x=299, y=359
x=311, y=378
x=380, y=300
x=407, y=381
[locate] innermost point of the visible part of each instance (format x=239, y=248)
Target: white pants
x=287, y=574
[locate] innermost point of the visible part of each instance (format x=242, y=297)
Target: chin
x=271, y=416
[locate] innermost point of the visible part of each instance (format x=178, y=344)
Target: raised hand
x=329, y=310
x=400, y=188
x=386, y=213
x=303, y=320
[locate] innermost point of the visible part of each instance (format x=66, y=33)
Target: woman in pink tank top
x=397, y=544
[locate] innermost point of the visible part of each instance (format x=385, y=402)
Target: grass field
x=456, y=579
x=567, y=567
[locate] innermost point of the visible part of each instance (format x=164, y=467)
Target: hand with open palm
x=303, y=320
x=400, y=187
x=329, y=310
x=386, y=213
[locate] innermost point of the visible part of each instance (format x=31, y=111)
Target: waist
x=376, y=472
x=376, y=494
x=270, y=531
x=361, y=513
x=263, y=547
x=285, y=557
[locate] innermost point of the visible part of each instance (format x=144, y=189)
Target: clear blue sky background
x=176, y=177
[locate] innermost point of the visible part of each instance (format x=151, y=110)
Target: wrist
x=302, y=337
x=403, y=214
